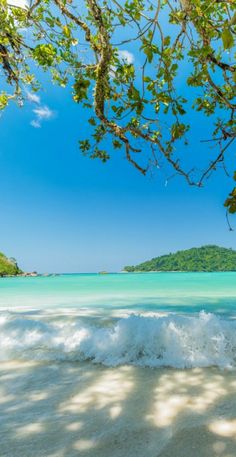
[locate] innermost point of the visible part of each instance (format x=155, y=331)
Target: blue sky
x=65, y=213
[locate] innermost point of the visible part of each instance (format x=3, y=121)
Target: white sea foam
x=173, y=341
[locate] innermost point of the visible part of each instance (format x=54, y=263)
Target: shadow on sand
x=72, y=409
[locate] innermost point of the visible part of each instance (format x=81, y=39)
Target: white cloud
x=24, y=4
x=42, y=113
x=33, y=98
x=36, y=124
x=127, y=56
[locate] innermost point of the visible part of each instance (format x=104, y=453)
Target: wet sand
x=86, y=410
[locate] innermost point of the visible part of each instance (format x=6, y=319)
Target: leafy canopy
x=8, y=266
x=80, y=43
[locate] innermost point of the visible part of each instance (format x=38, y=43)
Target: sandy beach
x=81, y=409
x=113, y=379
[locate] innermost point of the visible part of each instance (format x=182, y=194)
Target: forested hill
x=205, y=258
x=8, y=266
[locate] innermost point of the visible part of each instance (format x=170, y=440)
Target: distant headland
x=205, y=258
x=9, y=267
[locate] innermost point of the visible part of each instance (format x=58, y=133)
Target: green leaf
x=178, y=131
x=147, y=79
x=148, y=51
x=3, y=101
x=167, y=40
x=92, y=121
x=117, y=144
x=227, y=38
x=45, y=54
x=66, y=31
x=233, y=20
x=84, y=145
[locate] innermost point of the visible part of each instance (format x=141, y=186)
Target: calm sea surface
x=175, y=292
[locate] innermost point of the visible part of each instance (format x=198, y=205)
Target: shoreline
x=31, y=275
x=46, y=275
x=179, y=271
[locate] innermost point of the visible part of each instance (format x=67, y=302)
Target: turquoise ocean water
x=149, y=319
x=176, y=292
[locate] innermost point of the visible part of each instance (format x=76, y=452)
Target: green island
x=205, y=258
x=8, y=266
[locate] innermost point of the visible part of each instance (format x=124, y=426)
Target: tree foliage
x=205, y=258
x=8, y=266
x=80, y=43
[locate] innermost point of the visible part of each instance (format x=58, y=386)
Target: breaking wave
x=171, y=341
